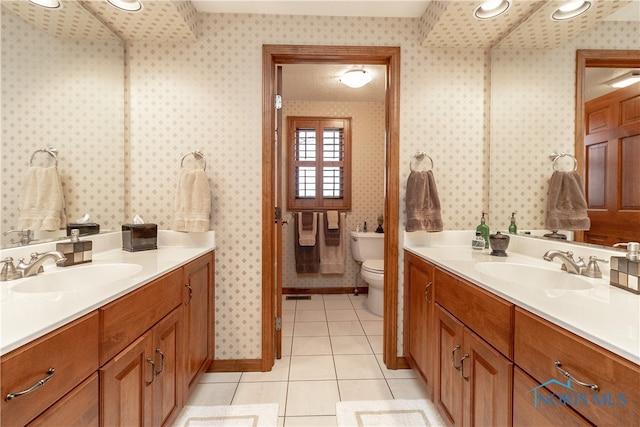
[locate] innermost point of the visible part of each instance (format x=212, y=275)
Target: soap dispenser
x=513, y=228
x=483, y=228
x=76, y=251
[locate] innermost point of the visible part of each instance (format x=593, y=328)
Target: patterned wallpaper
x=65, y=94
x=367, y=121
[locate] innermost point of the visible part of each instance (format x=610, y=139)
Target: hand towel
x=332, y=257
x=566, y=205
x=41, y=200
x=307, y=257
x=308, y=237
x=192, y=201
x=333, y=220
x=331, y=235
x=422, y=202
x=307, y=221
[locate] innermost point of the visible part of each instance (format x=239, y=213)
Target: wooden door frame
x=368, y=55
x=595, y=58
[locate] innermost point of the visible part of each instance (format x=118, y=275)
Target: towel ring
x=420, y=157
x=198, y=155
x=53, y=152
x=556, y=156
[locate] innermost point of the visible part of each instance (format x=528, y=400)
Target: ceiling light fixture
x=626, y=79
x=127, y=5
x=355, y=78
x=570, y=10
x=491, y=8
x=49, y=4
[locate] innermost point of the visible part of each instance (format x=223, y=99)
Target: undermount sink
x=70, y=279
x=528, y=275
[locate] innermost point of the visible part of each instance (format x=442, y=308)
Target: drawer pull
x=190, y=294
x=34, y=387
x=426, y=291
x=453, y=357
x=466, y=355
x=153, y=371
x=161, y=361
x=593, y=387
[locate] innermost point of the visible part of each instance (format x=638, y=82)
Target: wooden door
x=612, y=159
x=277, y=243
x=419, y=302
x=169, y=368
x=125, y=380
x=447, y=379
x=487, y=384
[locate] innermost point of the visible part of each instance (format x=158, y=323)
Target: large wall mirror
x=62, y=87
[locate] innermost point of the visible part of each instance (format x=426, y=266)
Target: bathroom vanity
x=498, y=342
x=122, y=352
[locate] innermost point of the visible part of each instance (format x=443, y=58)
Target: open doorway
x=274, y=55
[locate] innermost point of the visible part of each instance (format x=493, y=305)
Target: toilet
x=368, y=250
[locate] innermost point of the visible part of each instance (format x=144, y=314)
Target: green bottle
x=513, y=228
x=484, y=230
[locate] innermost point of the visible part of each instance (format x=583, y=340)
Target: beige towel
x=333, y=221
x=566, y=205
x=422, y=202
x=41, y=200
x=308, y=237
x=332, y=258
x=192, y=201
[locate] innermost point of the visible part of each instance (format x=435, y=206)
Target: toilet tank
x=366, y=246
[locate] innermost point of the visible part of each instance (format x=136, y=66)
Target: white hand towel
x=308, y=237
x=192, y=201
x=332, y=220
x=41, y=200
x=332, y=258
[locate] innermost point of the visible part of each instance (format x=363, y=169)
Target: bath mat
x=229, y=416
x=370, y=413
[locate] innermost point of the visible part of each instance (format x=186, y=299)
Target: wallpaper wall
x=367, y=129
x=67, y=94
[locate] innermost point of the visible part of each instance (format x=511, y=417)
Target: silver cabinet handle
x=453, y=358
x=190, y=294
x=34, y=387
x=161, y=361
x=426, y=291
x=466, y=355
x=593, y=387
x=153, y=370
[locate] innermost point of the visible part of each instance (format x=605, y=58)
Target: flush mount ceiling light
x=128, y=5
x=49, y=4
x=491, y=8
x=570, y=10
x=626, y=79
x=355, y=78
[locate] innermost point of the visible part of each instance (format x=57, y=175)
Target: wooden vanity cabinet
x=418, y=316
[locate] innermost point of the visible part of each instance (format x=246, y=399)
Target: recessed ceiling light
x=491, y=8
x=49, y=4
x=128, y=5
x=626, y=79
x=570, y=10
x=355, y=78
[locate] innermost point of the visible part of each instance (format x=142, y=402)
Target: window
x=319, y=165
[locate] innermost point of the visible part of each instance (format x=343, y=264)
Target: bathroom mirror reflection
x=62, y=87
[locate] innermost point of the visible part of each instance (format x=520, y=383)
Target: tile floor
x=332, y=351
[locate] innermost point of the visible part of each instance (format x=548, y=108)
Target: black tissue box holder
x=139, y=237
x=85, y=229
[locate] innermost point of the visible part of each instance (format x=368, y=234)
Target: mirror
x=64, y=91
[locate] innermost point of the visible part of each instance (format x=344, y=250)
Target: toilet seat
x=373, y=266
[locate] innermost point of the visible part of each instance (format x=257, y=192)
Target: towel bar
x=198, y=155
x=419, y=157
x=53, y=152
x=555, y=156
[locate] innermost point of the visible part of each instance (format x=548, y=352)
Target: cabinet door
x=169, y=366
x=420, y=306
x=448, y=382
x=487, y=384
x=125, y=380
x=198, y=305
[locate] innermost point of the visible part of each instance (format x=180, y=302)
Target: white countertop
x=603, y=314
x=27, y=316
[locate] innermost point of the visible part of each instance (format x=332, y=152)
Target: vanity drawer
x=72, y=351
x=126, y=318
x=487, y=315
x=539, y=344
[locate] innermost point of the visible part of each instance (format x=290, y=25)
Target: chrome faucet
x=25, y=235
x=37, y=260
x=568, y=263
